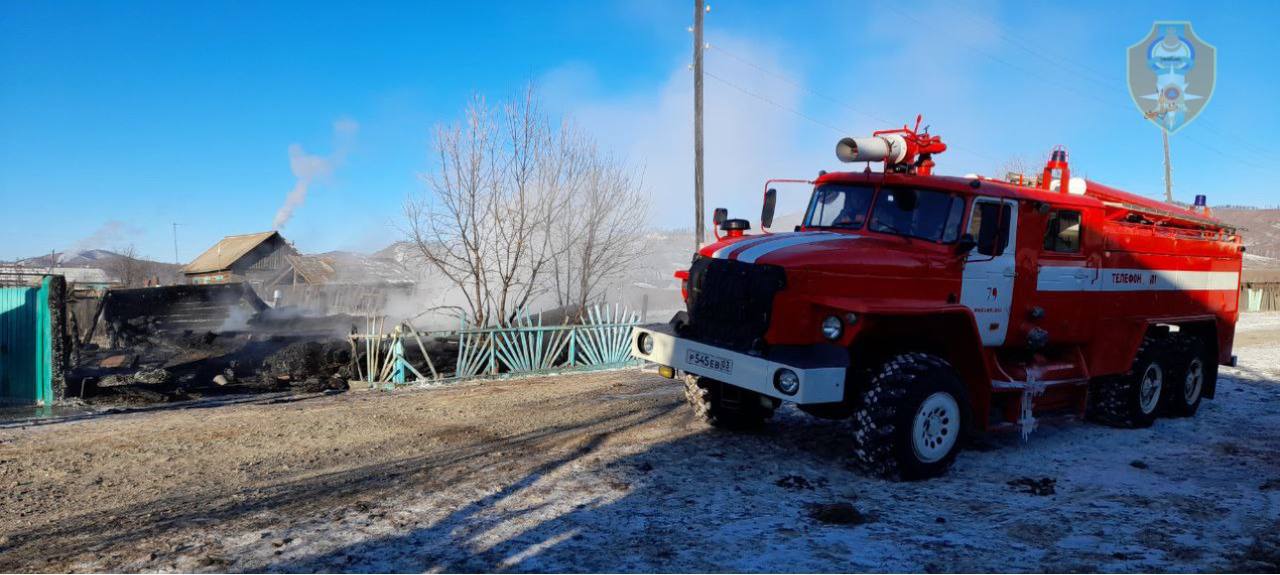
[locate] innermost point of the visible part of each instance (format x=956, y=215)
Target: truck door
x=1065, y=278
x=989, y=271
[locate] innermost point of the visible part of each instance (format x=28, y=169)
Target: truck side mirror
x=965, y=244
x=719, y=216
x=766, y=213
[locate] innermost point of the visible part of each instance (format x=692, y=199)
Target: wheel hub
x=1149, y=390
x=936, y=427
x=1194, y=381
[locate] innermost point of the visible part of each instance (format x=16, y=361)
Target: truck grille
x=730, y=301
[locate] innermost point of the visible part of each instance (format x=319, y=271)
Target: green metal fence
x=26, y=345
x=524, y=346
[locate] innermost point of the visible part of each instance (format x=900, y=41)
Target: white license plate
x=705, y=360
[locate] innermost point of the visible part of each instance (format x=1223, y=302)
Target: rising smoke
x=111, y=234
x=309, y=168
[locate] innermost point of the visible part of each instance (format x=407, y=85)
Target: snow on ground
x=1251, y=322
x=615, y=476
x=1185, y=495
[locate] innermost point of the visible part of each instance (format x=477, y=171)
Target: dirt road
x=608, y=472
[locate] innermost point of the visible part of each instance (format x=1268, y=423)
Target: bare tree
x=521, y=210
x=483, y=227
x=126, y=268
x=451, y=229
x=600, y=240
x=1015, y=167
x=530, y=197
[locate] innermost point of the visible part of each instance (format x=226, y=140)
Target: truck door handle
x=1010, y=273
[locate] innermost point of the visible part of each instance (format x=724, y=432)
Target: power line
x=833, y=100
x=769, y=101
x=797, y=85
x=1108, y=82
x=1109, y=104
x=783, y=78
x=1103, y=80
x=1002, y=61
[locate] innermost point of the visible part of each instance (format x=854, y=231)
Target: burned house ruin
x=331, y=283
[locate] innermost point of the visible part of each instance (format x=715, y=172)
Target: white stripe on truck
x=1078, y=278
x=723, y=253
x=753, y=253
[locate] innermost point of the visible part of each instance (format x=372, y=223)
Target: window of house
x=1063, y=233
x=989, y=226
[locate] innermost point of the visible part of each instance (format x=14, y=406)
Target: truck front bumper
x=820, y=367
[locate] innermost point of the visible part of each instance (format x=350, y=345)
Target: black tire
x=885, y=440
x=719, y=404
x=1124, y=400
x=1189, y=373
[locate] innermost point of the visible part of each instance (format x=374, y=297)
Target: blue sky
x=118, y=118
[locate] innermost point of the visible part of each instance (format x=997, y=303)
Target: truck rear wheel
x=1189, y=374
x=1134, y=399
x=912, y=418
x=719, y=404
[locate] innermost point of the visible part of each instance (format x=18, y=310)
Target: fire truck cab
x=928, y=308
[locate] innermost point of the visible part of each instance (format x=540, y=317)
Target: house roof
x=73, y=275
x=226, y=252
x=85, y=275
x=359, y=269
x=313, y=269
x=1260, y=276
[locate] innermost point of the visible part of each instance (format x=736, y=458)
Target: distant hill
x=1260, y=229
x=105, y=260
x=665, y=252
x=72, y=259
x=401, y=252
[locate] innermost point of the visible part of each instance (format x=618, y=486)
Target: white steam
x=110, y=235
x=309, y=168
x=750, y=136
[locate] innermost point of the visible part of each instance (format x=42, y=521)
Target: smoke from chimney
x=308, y=168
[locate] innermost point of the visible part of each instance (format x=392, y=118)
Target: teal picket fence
x=26, y=346
x=602, y=339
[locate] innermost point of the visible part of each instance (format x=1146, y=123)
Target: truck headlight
x=786, y=381
x=832, y=327
x=645, y=342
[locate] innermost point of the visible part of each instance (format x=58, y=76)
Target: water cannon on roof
x=904, y=150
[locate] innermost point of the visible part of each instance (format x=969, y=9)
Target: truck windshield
x=839, y=206
x=925, y=214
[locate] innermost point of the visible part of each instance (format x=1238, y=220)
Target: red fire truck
x=927, y=308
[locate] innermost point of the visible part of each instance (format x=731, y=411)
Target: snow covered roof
x=72, y=275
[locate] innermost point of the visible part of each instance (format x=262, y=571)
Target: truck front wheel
x=719, y=404
x=912, y=417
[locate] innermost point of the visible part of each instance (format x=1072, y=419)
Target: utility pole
x=1168, y=169
x=698, y=10
x=175, y=244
